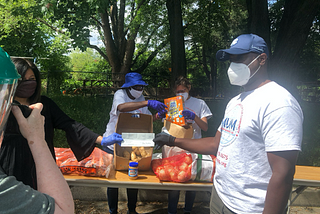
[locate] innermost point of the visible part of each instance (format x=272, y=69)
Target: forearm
x=278, y=192
x=99, y=139
x=208, y=146
x=282, y=164
x=131, y=106
x=201, y=122
x=49, y=178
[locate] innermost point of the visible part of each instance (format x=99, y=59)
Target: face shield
x=8, y=83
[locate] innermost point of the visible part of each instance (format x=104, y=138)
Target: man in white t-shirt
x=127, y=99
x=259, y=139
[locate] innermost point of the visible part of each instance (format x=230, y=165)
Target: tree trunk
x=178, y=57
x=295, y=26
x=258, y=19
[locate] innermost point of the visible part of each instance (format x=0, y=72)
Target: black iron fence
x=100, y=83
x=106, y=83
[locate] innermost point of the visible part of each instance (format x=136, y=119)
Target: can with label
x=133, y=170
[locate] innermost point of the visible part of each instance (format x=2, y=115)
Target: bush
x=93, y=112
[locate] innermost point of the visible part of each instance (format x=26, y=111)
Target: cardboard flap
x=134, y=123
x=137, y=139
x=178, y=131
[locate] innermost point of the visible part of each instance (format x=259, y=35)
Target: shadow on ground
x=101, y=207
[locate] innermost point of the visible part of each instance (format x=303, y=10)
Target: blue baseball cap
x=133, y=79
x=245, y=43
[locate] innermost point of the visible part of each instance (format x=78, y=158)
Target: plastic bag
x=184, y=167
x=176, y=168
x=98, y=164
x=203, y=167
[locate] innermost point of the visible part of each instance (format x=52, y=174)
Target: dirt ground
x=101, y=207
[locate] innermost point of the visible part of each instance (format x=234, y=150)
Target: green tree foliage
x=20, y=33
x=119, y=23
x=210, y=26
x=85, y=61
x=86, y=66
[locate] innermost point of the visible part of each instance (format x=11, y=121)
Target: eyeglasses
x=138, y=87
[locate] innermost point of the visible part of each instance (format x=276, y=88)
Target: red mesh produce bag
x=176, y=168
x=98, y=164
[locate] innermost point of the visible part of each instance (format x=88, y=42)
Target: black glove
x=163, y=139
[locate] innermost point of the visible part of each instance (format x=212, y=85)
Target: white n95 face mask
x=185, y=95
x=239, y=73
x=135, y=93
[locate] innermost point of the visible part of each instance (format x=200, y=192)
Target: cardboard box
x=132, y=123
x=178, y=131
x=175, y=108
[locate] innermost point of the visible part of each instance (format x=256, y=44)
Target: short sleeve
x=19, y=198
x=119, y=98
x=282, y=129
x=205, y=111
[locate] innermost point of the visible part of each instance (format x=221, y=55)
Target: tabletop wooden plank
x=307, y=173
x=145, y=180
x=305, y=176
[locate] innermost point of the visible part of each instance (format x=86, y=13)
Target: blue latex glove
x=161, y=115
x=158, y=106
x=188, y=114
x=111, y=139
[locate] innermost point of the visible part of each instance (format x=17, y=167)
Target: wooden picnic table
x=145, y=180
x=305, y=176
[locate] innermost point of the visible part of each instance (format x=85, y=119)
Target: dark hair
x=22, y=65
x=181, y=80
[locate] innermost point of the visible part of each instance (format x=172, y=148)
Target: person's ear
x=263, y=58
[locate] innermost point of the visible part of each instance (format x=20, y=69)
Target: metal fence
x=100, y=83
x=106, y=83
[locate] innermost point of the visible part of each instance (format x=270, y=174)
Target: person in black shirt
x=15, y=155
x=53, y=195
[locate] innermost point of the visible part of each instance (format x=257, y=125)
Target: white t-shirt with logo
x=266, y=119
x=201, y=109
x=121, y=97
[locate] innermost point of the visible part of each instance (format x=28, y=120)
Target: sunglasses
x=138, y=87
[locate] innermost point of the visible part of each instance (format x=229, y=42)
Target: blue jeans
x=112, y=193
x=173, y=199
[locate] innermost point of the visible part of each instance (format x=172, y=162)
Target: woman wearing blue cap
x=127, y=99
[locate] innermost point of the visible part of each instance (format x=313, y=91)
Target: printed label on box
x=175, y=108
